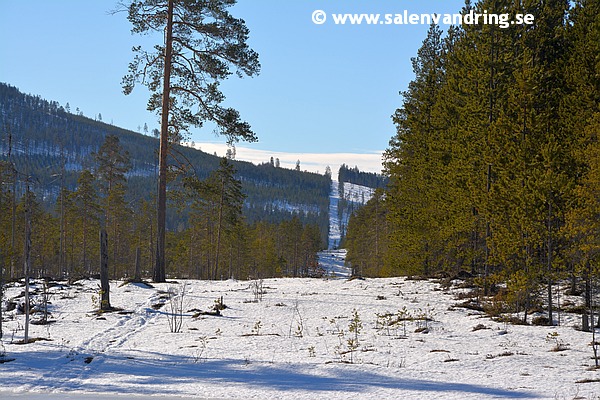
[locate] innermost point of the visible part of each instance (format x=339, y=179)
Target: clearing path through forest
x=332, y=260
x=334, y=222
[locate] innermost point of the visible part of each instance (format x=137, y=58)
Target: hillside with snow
x=47, y=142
x=344, y=200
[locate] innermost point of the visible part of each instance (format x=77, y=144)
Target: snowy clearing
x=294, y=339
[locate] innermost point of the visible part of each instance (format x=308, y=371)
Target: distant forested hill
x=53, y=146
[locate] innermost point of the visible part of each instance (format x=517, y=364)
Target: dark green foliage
x=494, y=167
x=113, y=164
x=208, y=45
x=370, y=221
x=351, y=201
x=216, y=210
x=83, y=216
x=368, y=179
x=416, y=165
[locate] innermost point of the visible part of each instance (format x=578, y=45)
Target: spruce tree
x=535, y=170
x=229, y=202
x=113, y=164
x=367, y=239
x=412, y=162
x=87, y=211
x=581, y=116
x=217, y=209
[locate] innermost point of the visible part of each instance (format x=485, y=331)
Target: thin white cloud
x=313, y=162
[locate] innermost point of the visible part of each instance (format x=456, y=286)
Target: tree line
x=495, y=165
x=358, y=177
x=215, y=242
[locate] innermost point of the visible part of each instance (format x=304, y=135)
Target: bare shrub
x=257, y=290
x=175, y=304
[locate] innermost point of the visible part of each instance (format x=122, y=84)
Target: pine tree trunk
x=137, y=274
x=488, y=236
x=27, y=263
x=549, y=265
x=219, y=228
x=104, y=283
x=1, y=283
x=115, y=240
x=588, y=285
x=159, y=268
x=1, y=294
x=84, y=228
x=13, y=222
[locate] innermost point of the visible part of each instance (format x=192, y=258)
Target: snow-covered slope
x=357, y=193
x=334, y=221
x=306, y=339
x=355, y=196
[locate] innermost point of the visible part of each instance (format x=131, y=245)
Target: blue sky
x=325, y=90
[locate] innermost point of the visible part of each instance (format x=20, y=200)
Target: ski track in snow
x=111, y=339
x=126, y=326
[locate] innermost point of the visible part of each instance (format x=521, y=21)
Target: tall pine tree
x=203, y=45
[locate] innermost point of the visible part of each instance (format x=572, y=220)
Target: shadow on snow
x=147, y=373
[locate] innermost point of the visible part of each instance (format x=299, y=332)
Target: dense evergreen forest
x=358, y=177
x=69, y=175
x=495, y=167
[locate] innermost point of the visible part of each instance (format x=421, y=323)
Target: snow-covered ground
x=298, y=339
x=333, y=261
x=329, y=338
